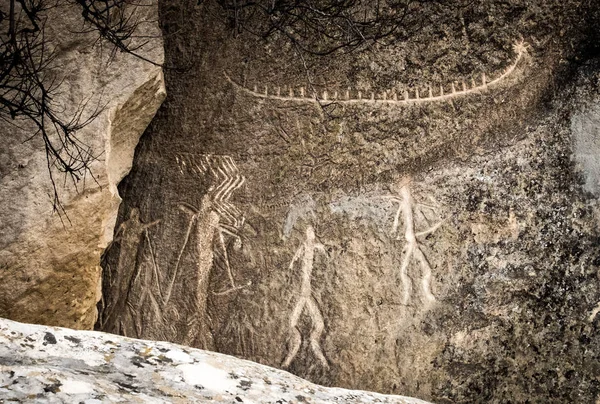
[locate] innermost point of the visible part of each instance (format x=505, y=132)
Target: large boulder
x=50, y=364
x=50, y=261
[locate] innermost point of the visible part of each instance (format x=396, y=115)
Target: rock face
x=408, y=235
x=49, y=265
x=48, y=364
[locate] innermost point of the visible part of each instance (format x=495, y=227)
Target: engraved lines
x=306, y=301
x=389, y=97
x=226, y=176
x=125, y=285
x=225, y=179
x=407, y=208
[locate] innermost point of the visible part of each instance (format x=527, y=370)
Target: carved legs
x=295, y=337
x=407, y=208
x=315, y=335
x=317, y=331
x=404, y=273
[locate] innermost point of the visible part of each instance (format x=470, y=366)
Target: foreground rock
x=63, y=365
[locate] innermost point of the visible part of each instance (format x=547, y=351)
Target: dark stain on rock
x=53, y=388
x=73, y=339
x=128, y=387
x=245, y=385
x=49, y=338
x=164, y=359
x=138, y=361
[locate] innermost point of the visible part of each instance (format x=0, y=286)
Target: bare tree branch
x=29, y=82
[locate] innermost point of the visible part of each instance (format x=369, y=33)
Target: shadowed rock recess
x=419, y=218
x=46, y=364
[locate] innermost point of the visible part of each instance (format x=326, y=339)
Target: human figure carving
x=120, y=302
x=203, y=221
x=306, y=300
x=412, y=248
x=215, y=218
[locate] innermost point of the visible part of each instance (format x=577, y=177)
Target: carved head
x=398, y=183
x=134, y=214
x=310, y=233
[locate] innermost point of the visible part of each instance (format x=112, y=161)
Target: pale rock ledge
x=56, y=365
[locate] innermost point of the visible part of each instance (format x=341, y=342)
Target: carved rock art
x=225, y=175
x=306, y=252
x=388, y=97
x=303, y=207
x=407, y=208
x=127, y=274
x=215, y=219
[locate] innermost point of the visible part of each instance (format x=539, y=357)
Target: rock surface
x=446, y=249
x=49, y=364
x=49, y=265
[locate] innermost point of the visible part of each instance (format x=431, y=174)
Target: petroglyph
x=225, y=174
x=407, y=209
x=127, y=273
x=214, y=222
x=306, y=252
x=475, y=85
x=205, y=221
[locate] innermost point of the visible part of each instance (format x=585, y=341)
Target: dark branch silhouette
x=117, y=22
x=321, y=27
x=30, y=79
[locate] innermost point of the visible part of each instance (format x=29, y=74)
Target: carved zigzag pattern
x=225, y=176
x=390, y=97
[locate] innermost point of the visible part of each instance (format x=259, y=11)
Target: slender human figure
x=210, y=222
x=203, y=222
x=120, y=302
x=412, y=248
x=306, y=252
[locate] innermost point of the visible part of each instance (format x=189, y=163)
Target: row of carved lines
x=384, y=95
x=389, y=95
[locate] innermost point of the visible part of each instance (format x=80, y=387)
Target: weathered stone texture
x=58, y=365
x=49, y=265
x=446, y=250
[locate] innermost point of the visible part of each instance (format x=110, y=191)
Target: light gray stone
x=54, y=365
